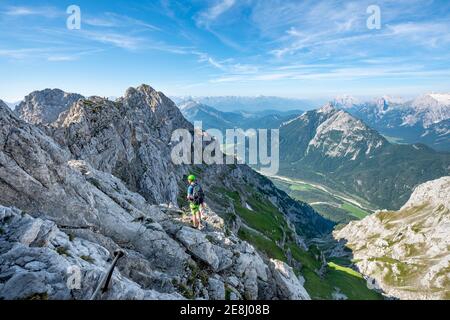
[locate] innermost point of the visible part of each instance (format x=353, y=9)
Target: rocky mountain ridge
x=212, y=118
x=43, y=107
x=406, y=253
x=422, y=120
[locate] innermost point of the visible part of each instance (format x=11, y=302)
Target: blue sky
x=304, y=49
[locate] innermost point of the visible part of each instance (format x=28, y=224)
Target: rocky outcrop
x=289, y=286
x=39, y=261
x=128, y=138
x=44, y=107
x=406, y=253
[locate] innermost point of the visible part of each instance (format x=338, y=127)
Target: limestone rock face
x=39, y=261
x=289, y=285
x=129, y=138
x=44, y=107
x=406, y=253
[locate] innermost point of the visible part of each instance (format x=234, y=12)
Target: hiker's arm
x=189, y=193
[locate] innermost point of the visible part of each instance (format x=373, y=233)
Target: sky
x=303, y=49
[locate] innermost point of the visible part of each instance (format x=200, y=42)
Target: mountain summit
x=44, y=107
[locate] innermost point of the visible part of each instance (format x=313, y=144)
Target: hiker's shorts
x=195, y=208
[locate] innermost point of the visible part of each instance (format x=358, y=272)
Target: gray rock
x=405, y=253
x=289, y=286
x=44, y=107
x=197, y=243
x=216, y=289
x=43, y=272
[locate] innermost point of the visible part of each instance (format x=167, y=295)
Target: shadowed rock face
x=44, y=107
x=406, y=252
x=3, y=104
x=93, y=181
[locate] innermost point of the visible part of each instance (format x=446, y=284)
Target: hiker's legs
x=202, y=208
x=199, y=218
x=195, y=211
x=194, y=220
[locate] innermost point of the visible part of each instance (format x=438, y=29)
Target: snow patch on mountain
x=345, y=101
x=441, y=98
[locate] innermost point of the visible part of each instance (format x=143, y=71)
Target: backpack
x=197, y=194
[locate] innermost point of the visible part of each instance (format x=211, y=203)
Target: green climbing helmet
x=191, y=178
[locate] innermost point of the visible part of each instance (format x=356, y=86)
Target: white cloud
x=116, y=39
x=212, y=13
x=339, y=74
x=52, y=54
x=60, y=58
x=19, y=11
x=113, y=20
x=19, y=54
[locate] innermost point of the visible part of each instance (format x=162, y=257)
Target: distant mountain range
x=425, y=119
x=213, y=118
x=251, y=104
x=333, y=147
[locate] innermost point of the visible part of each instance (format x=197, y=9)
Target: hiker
x=195, y=197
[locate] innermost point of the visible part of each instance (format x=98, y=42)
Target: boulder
x=288, y=285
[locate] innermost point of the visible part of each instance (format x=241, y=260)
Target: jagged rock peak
x=143, y=88
x=345, y=101
x=327, y=108
x=146, y=94
x=45, y=106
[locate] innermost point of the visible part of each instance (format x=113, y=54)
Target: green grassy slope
x=329, y=206
x=266, y=229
